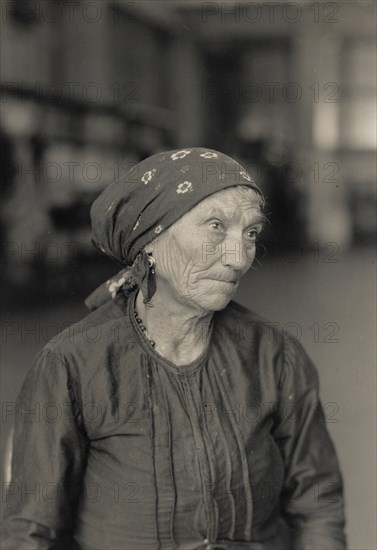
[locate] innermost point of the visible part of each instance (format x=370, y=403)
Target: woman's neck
x=180, y=332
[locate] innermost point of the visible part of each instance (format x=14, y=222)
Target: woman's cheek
x=170, y=261
x=249, y=255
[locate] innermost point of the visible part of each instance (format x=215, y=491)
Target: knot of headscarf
x=155, y=193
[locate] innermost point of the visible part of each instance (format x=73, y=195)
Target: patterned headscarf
x=153, y=195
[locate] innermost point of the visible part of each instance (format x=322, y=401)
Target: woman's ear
x=150, y=246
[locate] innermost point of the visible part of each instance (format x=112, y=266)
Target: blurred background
x=89, y=88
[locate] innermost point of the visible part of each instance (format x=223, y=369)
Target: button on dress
x=117, y=448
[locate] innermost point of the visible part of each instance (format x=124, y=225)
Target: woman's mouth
x=226, y=286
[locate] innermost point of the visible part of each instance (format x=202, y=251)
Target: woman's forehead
x=230, y=201
x=242, y=205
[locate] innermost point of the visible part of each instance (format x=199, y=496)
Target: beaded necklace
x=145, y=332
x=146, y=335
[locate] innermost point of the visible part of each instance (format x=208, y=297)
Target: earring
x=151, y=281
x=152, y=262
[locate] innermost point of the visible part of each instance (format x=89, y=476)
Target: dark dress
x=117, y=448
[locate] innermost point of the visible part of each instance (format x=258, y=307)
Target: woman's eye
x=215, y=225
x=252, y=235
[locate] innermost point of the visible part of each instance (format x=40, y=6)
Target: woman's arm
x=312, y=500
x=48, y=462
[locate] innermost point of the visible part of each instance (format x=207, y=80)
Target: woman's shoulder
x=274, y=342
x=87, y=360
x=92, y=337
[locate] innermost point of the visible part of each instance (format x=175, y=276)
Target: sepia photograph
x=188, y=249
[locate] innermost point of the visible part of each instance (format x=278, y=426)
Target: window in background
x=267, y=92
x=358, y=134
x=358, y=95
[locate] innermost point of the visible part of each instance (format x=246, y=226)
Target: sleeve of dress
x=312, y=500
x=48, y=460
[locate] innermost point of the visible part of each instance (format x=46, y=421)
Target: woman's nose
x=235, y=254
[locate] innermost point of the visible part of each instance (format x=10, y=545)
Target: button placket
x=205, y=472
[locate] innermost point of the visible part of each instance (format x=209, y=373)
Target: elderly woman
x=172, y=417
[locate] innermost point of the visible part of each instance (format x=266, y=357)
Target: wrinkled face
x=201, y=258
